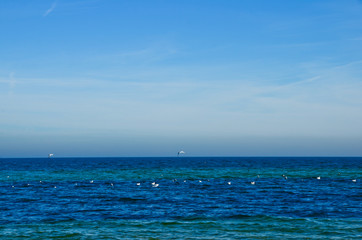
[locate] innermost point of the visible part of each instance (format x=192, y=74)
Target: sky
x=151, y=78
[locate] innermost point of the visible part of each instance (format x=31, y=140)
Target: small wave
x=129, y=199
x=237, y=216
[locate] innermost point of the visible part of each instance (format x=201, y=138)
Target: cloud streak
x=51, y=9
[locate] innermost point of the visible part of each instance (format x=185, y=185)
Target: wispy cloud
x=51, y=9
x=12, y=82
x=356, y=38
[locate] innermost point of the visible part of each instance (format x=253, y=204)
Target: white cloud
x=51, y=9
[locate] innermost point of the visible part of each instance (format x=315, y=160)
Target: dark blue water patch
x=63, y=164
x=208, y=198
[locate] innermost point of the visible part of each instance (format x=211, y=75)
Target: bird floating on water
x=229, y=183
x=138, y=184
x=354, y=180
x=319, y=178
x=252, y=183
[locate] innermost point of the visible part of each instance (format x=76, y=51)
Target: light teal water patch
x=176, y=173
x=259, y=227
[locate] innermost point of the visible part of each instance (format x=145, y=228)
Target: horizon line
x=306, y=156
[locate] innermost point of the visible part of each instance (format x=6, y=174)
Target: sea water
x=181, y=198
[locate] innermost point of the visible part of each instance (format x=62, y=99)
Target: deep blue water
x=191, y=198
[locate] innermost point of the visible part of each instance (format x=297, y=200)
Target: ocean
x=181, y=198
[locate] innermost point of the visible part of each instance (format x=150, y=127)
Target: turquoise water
x=191, y=198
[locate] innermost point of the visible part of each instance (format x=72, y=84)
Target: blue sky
x=148, y=78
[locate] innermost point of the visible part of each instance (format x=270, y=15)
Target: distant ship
x=180, y=152
x=50, y=155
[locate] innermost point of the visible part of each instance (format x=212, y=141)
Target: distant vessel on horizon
x=180, y=152
x=50, y=155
